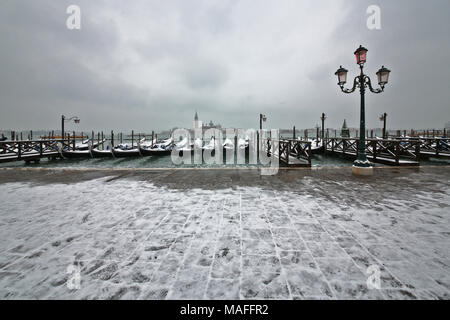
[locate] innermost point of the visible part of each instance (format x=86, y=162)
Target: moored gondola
x=76, y=154
x=101, y=153
x=124, y=153
x=155, y=151
x=163, y=148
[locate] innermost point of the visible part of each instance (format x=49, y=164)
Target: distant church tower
x=197, y=123
x=345, y=131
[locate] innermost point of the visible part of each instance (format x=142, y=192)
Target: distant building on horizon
x=345, y=131
x=198, y=124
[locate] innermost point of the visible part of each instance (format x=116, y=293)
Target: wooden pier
x=291, y=152
x=398, y=152
x=33, y=150
x=435, y=147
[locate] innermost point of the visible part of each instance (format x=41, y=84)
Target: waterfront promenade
x=224, y=234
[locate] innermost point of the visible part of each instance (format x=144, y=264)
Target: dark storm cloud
x=148, y=65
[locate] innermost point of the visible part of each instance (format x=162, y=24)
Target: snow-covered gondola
x=228, y=145
x=76, y=154
x=96, y=153
x=86, y=143
x=159, y=149
x=124, y=153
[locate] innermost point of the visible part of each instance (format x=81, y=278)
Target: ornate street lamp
x=63, y=119
x=323, y=117
x=262, y=118
x=361, y=165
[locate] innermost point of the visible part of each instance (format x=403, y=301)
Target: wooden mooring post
x=317, y=136
x=68, y=141
x=112, y=139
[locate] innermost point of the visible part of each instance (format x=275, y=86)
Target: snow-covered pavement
x=224, y=234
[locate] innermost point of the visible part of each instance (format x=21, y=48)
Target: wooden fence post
x=417, y=150
x=309, y=154
x=288, y=152
x=397, y=152
x=374, y=149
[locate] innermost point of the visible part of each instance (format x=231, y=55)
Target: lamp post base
x=362, y=171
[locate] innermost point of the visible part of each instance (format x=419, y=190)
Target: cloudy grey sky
x=149, y=64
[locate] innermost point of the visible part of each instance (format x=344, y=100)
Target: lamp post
x=262, y=118
x=64, y=119
x=362, y=166
x=383, y=118
x=322, y=136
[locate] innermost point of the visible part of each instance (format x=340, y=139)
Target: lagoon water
x=318, y=160
x=152, y=162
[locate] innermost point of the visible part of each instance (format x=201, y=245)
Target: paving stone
x=266, y=286
x=224, y=234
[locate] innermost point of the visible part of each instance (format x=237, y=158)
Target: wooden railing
x=385, y=150
x=291, y=152
x=439, y=147
x=33, y=149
